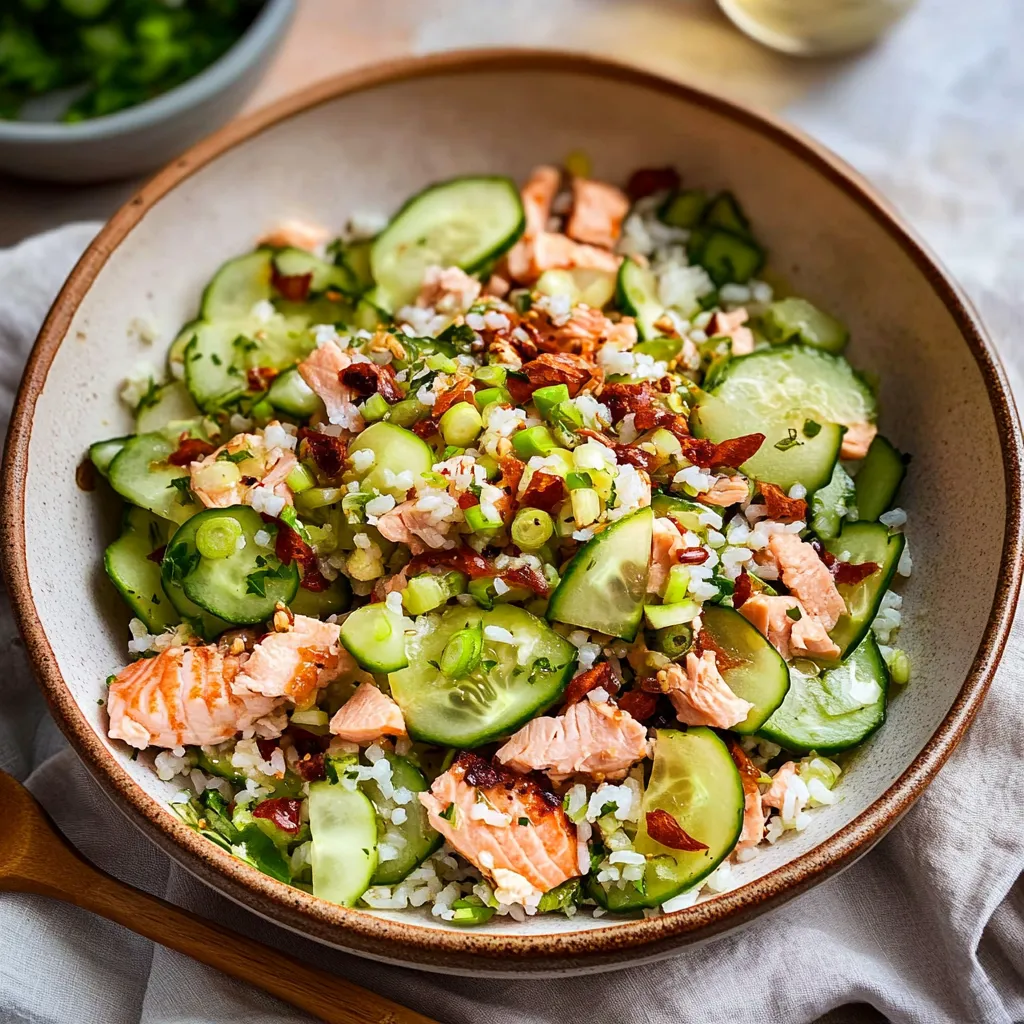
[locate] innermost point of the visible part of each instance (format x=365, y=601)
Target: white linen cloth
x=929, y=927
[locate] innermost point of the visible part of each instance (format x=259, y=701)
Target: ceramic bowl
x=365, y=142
x=141, y=138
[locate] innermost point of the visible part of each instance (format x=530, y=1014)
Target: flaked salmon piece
x=586, y=330
x=594, y=739
x=448, y=290
x=296, y=662
x=296, y=233
x=478, y=808
x=598, y=210
x=791, y=637
x=808, y=578
x=497, y=287
x=700, y=695
x=549, y=250
x=537, y=194
x=321, y=371
x=726, y=491
x=367, y=716
x=776, y=792
x=407, y=524
x=731, y=326
x=666, y=543
x=857, y=440
x=753, y=810
x=218, y=481
x=183, y=696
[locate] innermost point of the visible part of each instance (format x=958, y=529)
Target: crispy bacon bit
x=693, y=556
x=284, y=812
x=779, y=505
x=259, y=378
x=461, y=392
x=643, y=401
x=293, y=287
x=850, y=574
x=742, y=589
x=552, y=368
x=190, y=449
x=366, y=379
x=290, y=547
x=664, y=829
x=731, y=453
x=467, y=500
x=326, y=450
x=524, y=577
x=311, y=767
x=639, y=704
x=477, y=567
x=511, y=472
x=648, y=180
x=544, y=491
x=704, y=641
x=581, y=685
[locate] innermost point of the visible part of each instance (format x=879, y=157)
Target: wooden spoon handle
x=322, y=994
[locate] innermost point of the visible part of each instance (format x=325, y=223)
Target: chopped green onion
x=218, y=537
x=488, y=395
x=462, y=652
x=574, y=481
x=532, y=528
x=477, y=520
x=318, y=497
x=586, y=506
x=299, y=479
x=375, y=408
x=314, y=716
x=423, y=594
x=533, y=441
x=546, y=399
x=678, y=584
x=490, y=466
x=263, y=412
x=491, y=375
x=482, y=591
x=470, y=914
x=454, y=582
x=441, y=363
x=461, y=425
x=408, y=412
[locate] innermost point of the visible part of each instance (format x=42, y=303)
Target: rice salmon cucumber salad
x=521, y=553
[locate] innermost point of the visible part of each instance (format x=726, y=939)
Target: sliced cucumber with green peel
x=761, y=677
x=355, y=258
x=637, y=296
x=824, y=714
x=237, y=286
x=498, y=685
x=102, y=453
x=208, y=626
x=135, y=574
x=242, y=587
x=465, y=222
x=343, y=825
x=395, y=450
x=176, y=353
x=864, y=542
x=728, y=258
x=420, y=839
x=171, y=403
x=291, y=262
x=318, y=604
x=796, y=319
x=879, y=478
x=724, y=211
x=290, y=394
x=375, y=636
x=684, y=209
x=830, y=504
x=685, y=514
x=605, y=585
x=694, y=780
x=141, y=474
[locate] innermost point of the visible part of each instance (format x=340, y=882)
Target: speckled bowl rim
x=621, y=942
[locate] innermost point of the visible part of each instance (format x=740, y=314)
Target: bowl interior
x=371, y=149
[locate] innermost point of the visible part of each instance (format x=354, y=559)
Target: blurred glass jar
x=814, y=27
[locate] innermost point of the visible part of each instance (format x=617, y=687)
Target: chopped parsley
x=235, y=457
x=788, y=442
x=794, y=613
x=449, y=813
x=256, y=582
x=181, y=562
x=524, y=822
x=182, y=485
x=811, y=428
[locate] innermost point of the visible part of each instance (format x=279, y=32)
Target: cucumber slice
x=728, y=258
x=291, y=262
x=375, y=636
x=217, y=761
x=695, y=780
x=637, y=296
x=762, y=678
x=420, y=839
x=682, y=512
x=594, y=288
x=796, y=319
x=290, y=394
x=465, y=222
x=395, y=450
x=879, y=478
x=831, y=502
x=355, y=257
x=135, y=574
x=170, y=404
x=208, y=626
x=725, y=212
x=684, y=209
x=318, y=604
x=798, y=397
x=864, y=542
x=664, y=350
x=504, y=686
x=237, y=286
x=242, y=588
x=821, y=714
x=176, y=353
x=102, y=453
x=604, y=587
x=141, y=474
x=343, y=825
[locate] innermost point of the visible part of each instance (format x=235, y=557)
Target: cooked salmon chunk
x=505, y=825
x=731, y=325
x=296, y=662
x=776, y=792
x=594, y=739
x=808, y=578
x=666, y=544
x=803, y=636
x=700, y=695
x=598, y=211
x=448, y=290
x=220, y=481
x=753, y=811
x=185, y=695
x=367, y=716
x=409, y=524
x=297, y=234
x=857, y=440
x=321, y=370
x=726, y=491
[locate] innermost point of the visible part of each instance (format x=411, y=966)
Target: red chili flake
x=259, y=377
x=742, y=589
x=731, y=453
x=524, y=577
x=425, y=428
x=468, y=500
x=311, y=767
x=581, y=685
x=848, y=574
x=648, y=180
x=326, y=450
x=693, y=556
x=266, y=748
x=293, y=287
x=290, y=547
x=367, y=379
x=544, y=491
x=461, y=392
x=284, y=812
x=704, y=641
x=639, y=704
x=158, y=555
x=477, y=567
x=749, y=771
x=664, y=829
x=190, y=449
x=779, y=505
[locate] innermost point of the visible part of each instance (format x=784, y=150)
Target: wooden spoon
x=36, y=858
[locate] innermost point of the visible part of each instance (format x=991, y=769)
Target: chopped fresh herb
x=794, y=613
x=149, y=398
x=524, y=822
x=235, y=457
x=608, y=808
x=111, y=679
x=460, y=336
x=180, y=562
x=788, y=442
x=215, y=359
x=449, y=813
x=101, y=702
x=181, y=485
x=256, y=582
x=811, y=428
x=488, y=665
x=290, y=517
